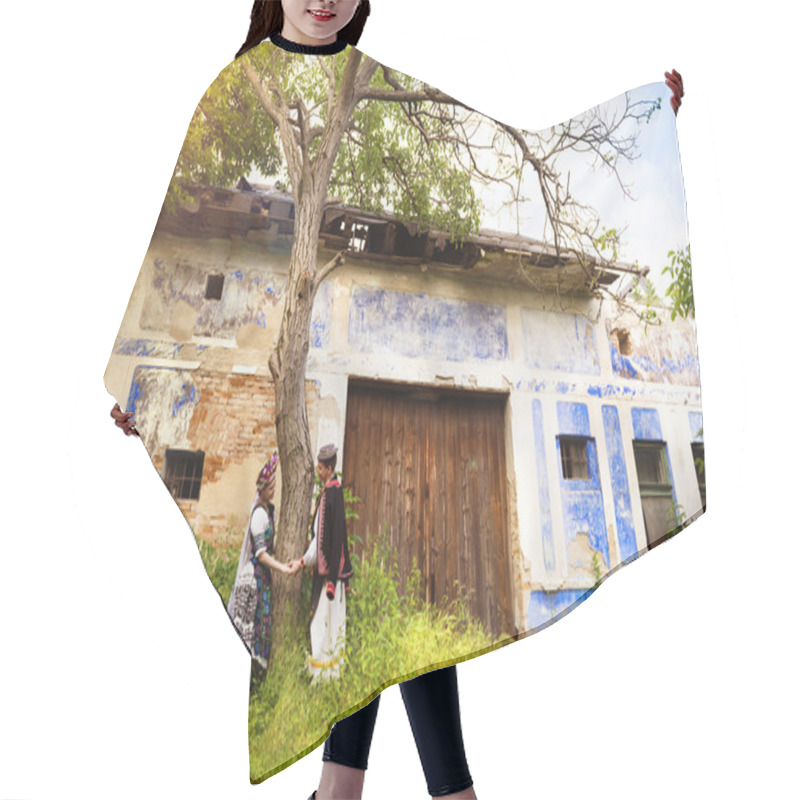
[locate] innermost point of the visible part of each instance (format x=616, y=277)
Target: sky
x=651, y=219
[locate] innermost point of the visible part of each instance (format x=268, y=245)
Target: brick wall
x=233, y=423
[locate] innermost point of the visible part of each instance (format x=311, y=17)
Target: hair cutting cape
x=494, y=326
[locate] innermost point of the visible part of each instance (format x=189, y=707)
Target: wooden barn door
x=429, y=468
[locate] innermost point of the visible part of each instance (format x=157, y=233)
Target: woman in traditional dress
x=329, y=557
x=250, y=602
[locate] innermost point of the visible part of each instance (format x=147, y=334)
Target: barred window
x=183, y=471
x=574, y=463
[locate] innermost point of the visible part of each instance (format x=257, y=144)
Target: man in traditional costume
x=329, y=557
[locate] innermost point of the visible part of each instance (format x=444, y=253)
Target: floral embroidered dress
x=250, y=603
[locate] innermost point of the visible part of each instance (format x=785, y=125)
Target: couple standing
x=250, y=604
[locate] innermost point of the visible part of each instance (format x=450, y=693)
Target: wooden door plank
x=433, y=472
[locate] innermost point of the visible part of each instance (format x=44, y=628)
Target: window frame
x=566, y=443
x=661, y=488
x=176, y=483
x=214, y=277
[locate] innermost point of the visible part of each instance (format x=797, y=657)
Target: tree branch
x=398, y=94
x=327, y=269
x=323, y=62
x=338, y=119
x=266, y=101
x=409, y=96
x=279, y=114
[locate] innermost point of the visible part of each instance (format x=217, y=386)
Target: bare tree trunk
x=288, y=367
x=287, y=363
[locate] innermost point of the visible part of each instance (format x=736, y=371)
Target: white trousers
x=328, y=628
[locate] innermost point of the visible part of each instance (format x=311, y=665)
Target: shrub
x=392, y=635
x=221, y=560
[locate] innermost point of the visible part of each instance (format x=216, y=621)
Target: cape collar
x=308, y=49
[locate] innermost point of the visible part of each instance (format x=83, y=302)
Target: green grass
x=221, y=560
x=392, y=635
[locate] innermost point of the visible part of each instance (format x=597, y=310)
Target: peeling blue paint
x=147, y=388
x=147, y=348
x=261, y=319
x=622, y=365
x=582, y=499
x=135, y=347
x=187, y=398
x=134, y=394
x=696, y=425
x=626, y=532
x=420, y=325
x=640, y=366
x=557, y=341
x=573, y=419
x=244, y=295
x=646, y=424
x=320, y=328
x=593, y=390
x=546, y=607
x=545, y=514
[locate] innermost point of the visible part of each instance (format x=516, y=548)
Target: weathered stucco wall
x=227, y=416
x=664, y=353
x=565, y=371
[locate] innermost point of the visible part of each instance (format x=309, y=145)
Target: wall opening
x=655, y=488
x=214, y=284
x=621, y=339
x=183, y=471
x=574, y=462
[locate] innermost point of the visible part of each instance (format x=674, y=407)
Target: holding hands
x=294, y=566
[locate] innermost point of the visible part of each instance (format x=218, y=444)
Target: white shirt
x=259, y=522
x=311, y=554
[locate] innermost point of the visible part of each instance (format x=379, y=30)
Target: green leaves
x=392, y=633
x=608, y=240
x=403, y=158
x=229, y=136
x=680, y=290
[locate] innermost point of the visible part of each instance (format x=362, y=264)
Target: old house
x=507, y=431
